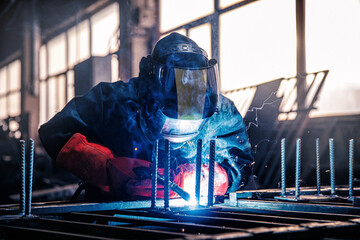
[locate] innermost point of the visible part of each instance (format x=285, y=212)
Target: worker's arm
x=233, y=150
x=97, y=165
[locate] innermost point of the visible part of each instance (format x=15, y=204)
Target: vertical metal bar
x=198, y=171
x=300, y=53
x=298, y=168
x=318, y=186
x=22, y=176
x=215, y=31
x=332, y=166
x=351, y=167
x=154, y=174
x=211, y=174
x=29, y=174
x=167, y=176
x=283, y=186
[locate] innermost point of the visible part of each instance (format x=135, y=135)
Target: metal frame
x=250, y=219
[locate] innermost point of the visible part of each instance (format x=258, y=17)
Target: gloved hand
x=97, y=165
x=184, y=177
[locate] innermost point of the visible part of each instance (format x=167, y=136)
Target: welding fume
x=106, y=137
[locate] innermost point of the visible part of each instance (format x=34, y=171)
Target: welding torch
x=145, y=173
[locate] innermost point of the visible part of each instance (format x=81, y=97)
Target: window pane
x=3, y=108
x=83, y=40
x=61, y=101
x=57, y=61
x=332, y=42
x=3, y=81
x=104, y=25
x=70, y=85
x=14, y=104
x=14, y=76
x=202, y=36
x=43, y=109
x=177, y=12
x=114, y=68
x=72, y=48
x=261, y=46
x=43, y=64
x=51, y=97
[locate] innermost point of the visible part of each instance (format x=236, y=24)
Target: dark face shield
x=186, y=98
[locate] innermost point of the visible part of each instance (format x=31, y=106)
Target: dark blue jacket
x=109, y=115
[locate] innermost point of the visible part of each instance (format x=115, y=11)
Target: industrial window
x=332, y=42
x=175, y=13
x=10, y=93
x=255, y=42
x=94, y=36
x=202, y=35
x=261, y=46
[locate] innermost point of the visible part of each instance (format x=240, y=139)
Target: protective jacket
x=109, y=115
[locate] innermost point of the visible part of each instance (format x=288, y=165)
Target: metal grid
x=239, y=219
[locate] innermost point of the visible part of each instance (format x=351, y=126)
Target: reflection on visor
x=191, y=91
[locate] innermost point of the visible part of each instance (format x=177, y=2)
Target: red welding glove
x=184, y=176
x=97, y=165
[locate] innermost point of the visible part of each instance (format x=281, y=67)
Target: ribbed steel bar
x=154, y=174
x=22, y=176
x=298, y=168
x=29, y=175
x=211, y=174
x=198, y=171
x=167, y=176
x=332, y=166
x=283, y=180
x=351, y=167
x=318, y=186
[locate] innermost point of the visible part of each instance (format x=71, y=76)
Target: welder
x=104, y=136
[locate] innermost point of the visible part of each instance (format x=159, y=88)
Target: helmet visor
x=189, y=93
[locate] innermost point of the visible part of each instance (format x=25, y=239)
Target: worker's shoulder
x=120, y=88
x=226, y=105
x=227, y=119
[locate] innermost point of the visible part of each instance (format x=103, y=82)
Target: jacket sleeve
x=81, y=115
x=233, y=146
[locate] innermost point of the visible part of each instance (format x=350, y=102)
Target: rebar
x=22, y=176
x=318, y=186
x=29, y=174
x=154, y=174
x=351, y=167
x=283, y=186
x=211, y=174
x=167, y=176
x=198, y=171
x=298, y=168
x=332, y=166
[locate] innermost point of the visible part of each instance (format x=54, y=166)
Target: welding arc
x=176, y=188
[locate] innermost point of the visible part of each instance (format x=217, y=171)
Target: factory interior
x=291, y=67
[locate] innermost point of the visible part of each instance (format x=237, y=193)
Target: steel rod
x=198, y=171
x=167, y=176
x=283, y=186
x=298, y=168
x=211, y=174
x=22, y=176
x=318, y=186
x=351, y=167
x=154, y=174
x=29, y=174
x=332, y=166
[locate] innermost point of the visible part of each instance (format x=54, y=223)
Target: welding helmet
x=184, y=88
